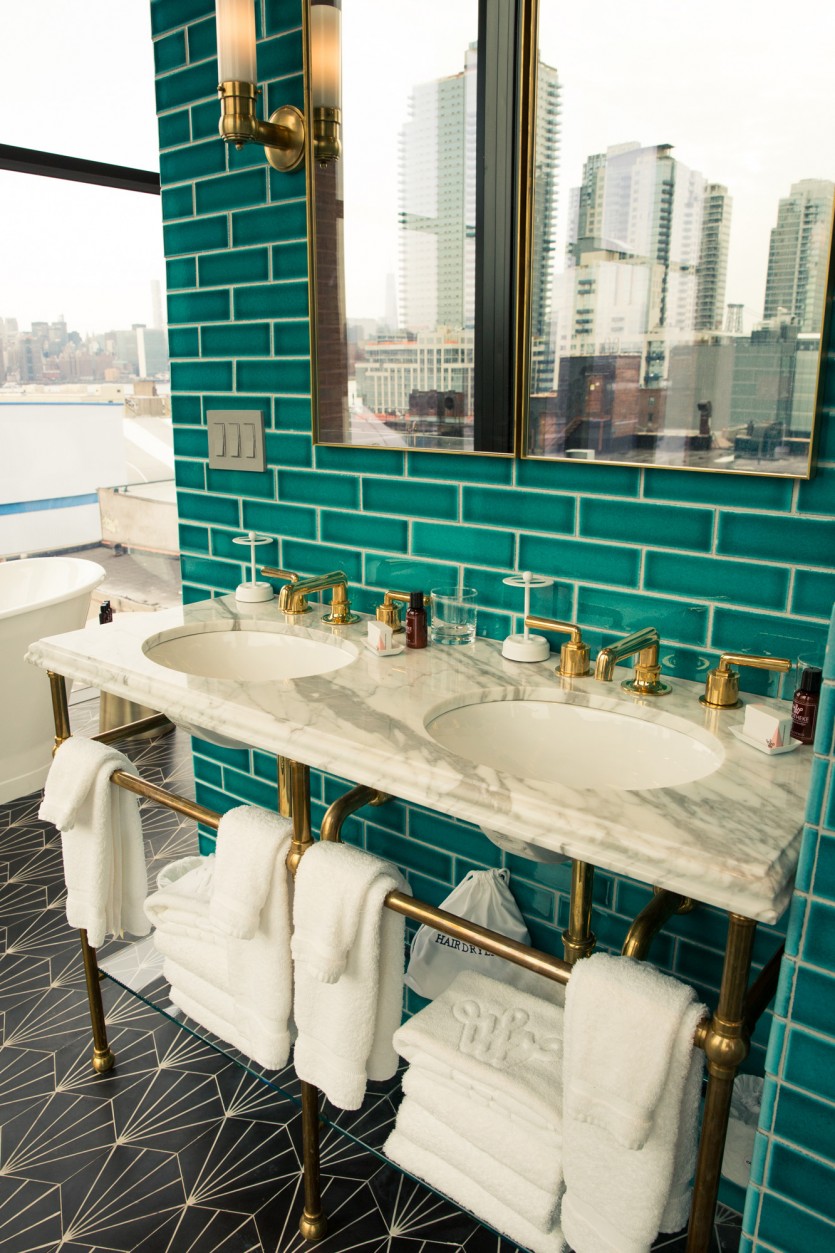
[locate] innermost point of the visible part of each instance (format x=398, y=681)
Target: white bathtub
x=38, y=596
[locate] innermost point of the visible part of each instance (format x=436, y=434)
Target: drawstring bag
x=482, y=896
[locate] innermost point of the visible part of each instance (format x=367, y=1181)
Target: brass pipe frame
x=763, y=989
x=313, y=1224
x=153, y=722
x=285, y=791
x=103, y=1056
x=663, y=906
x=347, y=804
x=60, y=708
x=725, y=1042
x=578, y=939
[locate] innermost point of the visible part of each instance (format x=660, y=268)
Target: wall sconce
x=283, y=134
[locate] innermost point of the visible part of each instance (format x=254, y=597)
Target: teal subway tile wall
x=716, y=562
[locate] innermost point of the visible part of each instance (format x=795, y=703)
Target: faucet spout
x=292, y=598
x=644, y=646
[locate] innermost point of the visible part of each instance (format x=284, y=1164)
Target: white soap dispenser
x=253, y=590
x=527, y=647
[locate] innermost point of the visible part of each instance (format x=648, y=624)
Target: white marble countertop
x=730, y=839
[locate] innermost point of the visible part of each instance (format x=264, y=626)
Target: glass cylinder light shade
x=325, y=56
x=236, y=41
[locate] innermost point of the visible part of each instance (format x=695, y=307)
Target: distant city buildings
x=798, y=254
x=51, y=354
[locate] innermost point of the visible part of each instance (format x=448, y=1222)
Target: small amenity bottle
x=416, y=621
x=805, y=705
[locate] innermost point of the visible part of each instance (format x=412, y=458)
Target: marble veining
x=730, y=839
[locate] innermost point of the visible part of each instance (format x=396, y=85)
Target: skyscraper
x=713, y=258
x=798, y=254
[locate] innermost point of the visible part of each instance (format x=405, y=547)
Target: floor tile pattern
x=178, y=1149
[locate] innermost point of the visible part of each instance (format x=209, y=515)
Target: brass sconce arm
x=574, y=654
x=722, y=684
x=644, y=646
x=282, y=136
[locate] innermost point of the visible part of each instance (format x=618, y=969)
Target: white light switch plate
x=236, y=439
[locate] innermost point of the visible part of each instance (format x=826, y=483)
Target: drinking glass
x=453, y=615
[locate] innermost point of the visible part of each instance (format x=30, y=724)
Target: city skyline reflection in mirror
x=681, y=235
x=393, y=257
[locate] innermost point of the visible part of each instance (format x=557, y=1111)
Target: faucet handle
x=299, y=600
x=722, y=685
x=272, y=572
x=574, y=654
x=389, y=610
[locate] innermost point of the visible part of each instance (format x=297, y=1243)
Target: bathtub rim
x=84, y=587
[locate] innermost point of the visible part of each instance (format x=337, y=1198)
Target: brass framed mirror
x=680, y=237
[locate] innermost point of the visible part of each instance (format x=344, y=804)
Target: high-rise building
x=713, y=258
x=546, y=161
x=798, y=254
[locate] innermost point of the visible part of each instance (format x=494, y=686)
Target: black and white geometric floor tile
x=178, y=1149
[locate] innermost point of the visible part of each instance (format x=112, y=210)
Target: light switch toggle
x=236, y=439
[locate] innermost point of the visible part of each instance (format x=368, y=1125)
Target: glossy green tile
x=318, y=558
x=181, y=272
x=252, y=791
x=221, y=575
x=192, y=595
x=238, y=265
x=292, y=413
x=276, y=300
x=364, y=530
x=174, y=128
x=280, y=520
x=622, y=612
x=184, y=86
x=736, y=630
x=817, y=495
x=359, y=460
x=186, y=409
x=199, y=306
x=533, y=902
x=170, y=52
x=193, y=539
x=290, y=260
x=740, y=491
x=409, y=855
x=191, y=441
x=414, y=500
x=802, y=541
x=177, y=202
x=291, y=339
x=819, y=935
x=494, y=593
x=810, y=1064
x=818, y=782
x=238, y=339
x=710, y=578
x=194, y=507
x=241, y=483
x=406, y=574
x=829, y=657
x=279, y=17
x=265, y=226
x=202, y=40
x=636, y=522
x=288, y=90
x=279, y=56
x=475, y=545
x=580, y=560
x=584, y=480
x=803, y=1179
x=201, y=375
x=814, y=593
x=284, y=449
x=196, y=235
x=805, y=1121
x=824, y=880
x=231, y=191
x=184, y=341
x=814, y=1000
x=806, y=862
x=237, y=757
x=459, y=469
x=230, y=400
x=286, y=375
x=177, y=165
x=446, y=834
x=508, y=507
x=167, y=14
x=316, y=487
x=204, y=122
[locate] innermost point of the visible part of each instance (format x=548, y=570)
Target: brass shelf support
x=347, y=804
x=663, y=906
x=578, y=939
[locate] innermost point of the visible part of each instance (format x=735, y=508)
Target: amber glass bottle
x=805, y=705
x=416, y=621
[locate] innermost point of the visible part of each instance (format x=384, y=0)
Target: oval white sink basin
x=249, y=654
x=582, y=746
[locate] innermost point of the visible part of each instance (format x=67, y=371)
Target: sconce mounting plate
x=290, y=157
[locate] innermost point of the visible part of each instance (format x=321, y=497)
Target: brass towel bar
x=723, y=1036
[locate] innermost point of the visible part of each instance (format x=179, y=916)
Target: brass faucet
x=647, y=681
x=292, y=598
x=389, y=610
x=722, y=684
x=574, y=654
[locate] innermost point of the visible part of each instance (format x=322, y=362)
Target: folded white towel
x=101, y=839
x=509, y=1141
x=205, y=958
x=345, y=1027
x=512, y=1189
x=607, y=1088
x=495, y=1040
x=180, y=905
x=265, y=1040
x=470, y=1195
x=646, y=1187
x=248, y=840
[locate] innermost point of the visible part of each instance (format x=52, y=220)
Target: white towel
x=101, y=839
x=496, y=1041
x=263, y=1040
x=345, y=1027
x=512, y=1189
x=180, y=905
x=508, y=1140
x=470, y=1195
x=248, y=840
x=647, y=1188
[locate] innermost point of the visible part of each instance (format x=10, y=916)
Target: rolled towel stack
x=223, y=926
x=481, y=1118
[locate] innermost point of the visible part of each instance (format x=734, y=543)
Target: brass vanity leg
x=285, y=787
x=726, y=1046
x=578, y=940
x=60, y=708
x=103, y=1057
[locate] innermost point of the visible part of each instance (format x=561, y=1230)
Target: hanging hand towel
x=101, y=840
x=343, y=932
x=248, y=840
x=495, y=1040
x=646, y=1187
